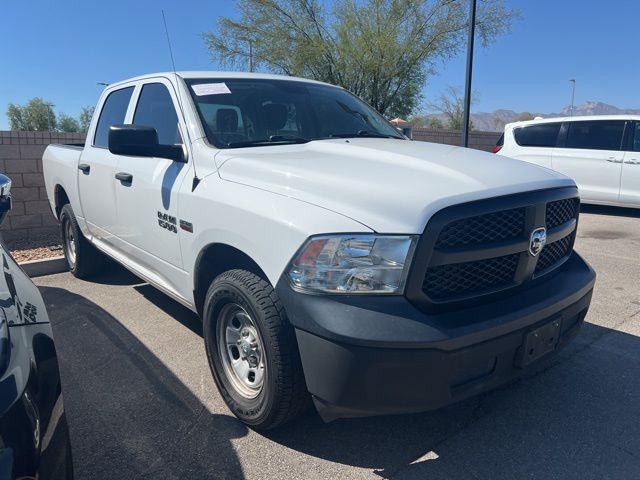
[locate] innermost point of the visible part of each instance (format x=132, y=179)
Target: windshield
x=258, y=112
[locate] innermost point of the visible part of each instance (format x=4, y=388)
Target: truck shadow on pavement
x=129, y=416
x=577, y=415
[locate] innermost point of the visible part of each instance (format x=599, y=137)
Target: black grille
x=561, y=211
x=458, y=279
x=553, y=253
x=487, y=228
x=475, y=249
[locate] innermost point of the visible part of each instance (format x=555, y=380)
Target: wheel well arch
x=215, y=259
x=61, y=198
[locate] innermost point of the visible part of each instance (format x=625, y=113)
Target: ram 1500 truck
x=330, y=258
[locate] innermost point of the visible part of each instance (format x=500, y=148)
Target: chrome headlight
x=358, y=263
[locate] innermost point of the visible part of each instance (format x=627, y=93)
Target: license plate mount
x=539, y=342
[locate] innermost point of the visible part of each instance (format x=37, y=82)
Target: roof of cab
x=214, y=75
x=572, y=119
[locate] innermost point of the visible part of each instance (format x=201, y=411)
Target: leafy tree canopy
x=384, y=51
x=36, y=115
x=67, y=123
x=85, y=118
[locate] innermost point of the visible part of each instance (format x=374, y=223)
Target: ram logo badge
x=538, y=241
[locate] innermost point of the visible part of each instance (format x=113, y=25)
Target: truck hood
x=390, y=186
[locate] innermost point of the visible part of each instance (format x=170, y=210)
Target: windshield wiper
x=288, y=138
x=362, y=133
x=272, y=140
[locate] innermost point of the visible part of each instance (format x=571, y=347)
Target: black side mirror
x=5, y=196
x=141, y=141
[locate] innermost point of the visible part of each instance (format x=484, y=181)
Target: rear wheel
x=82, y=257
x=252, y=351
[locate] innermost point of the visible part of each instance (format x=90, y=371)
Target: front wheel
x=252, y=351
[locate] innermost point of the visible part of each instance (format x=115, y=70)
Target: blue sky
x=59, y=50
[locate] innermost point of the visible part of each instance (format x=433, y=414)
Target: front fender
x=267, y=227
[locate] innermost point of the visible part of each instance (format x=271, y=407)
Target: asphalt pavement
x=141, y=402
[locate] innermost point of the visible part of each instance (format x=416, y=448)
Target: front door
x=591, y=154
x=147, y=200
x=97, y=168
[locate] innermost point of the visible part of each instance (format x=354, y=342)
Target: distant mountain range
x=495, y=121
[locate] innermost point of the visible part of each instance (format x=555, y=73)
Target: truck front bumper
x=375, y=355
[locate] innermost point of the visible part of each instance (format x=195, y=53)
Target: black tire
x=85, y=260
x=283, y=395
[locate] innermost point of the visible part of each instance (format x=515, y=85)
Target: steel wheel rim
x=241, y=350
x=70, y=244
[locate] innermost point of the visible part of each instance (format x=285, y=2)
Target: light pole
x=573, y=95
x=49, y=117
x=467, y=86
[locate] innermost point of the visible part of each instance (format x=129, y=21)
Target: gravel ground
x=45, y=246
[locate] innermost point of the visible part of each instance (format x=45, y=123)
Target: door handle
x=84, y=167
x=633, y=161
x=124, y=177
x=614, y=160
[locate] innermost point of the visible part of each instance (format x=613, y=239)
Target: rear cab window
x=113, y=112
x=539, y=135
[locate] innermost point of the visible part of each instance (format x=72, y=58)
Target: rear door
x=630, y=182
x=591, y=153
x=97, y=167
x=149, y=230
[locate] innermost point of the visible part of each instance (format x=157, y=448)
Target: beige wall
x=21, y=160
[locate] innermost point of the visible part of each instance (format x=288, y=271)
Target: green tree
x=85, y=118
x=435, y=122
x=451, y=104
x=36, y=115
x=417, y=120
x=67, y=123
x=381, y=50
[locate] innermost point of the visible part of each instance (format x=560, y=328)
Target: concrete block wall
x=21, y=160
x=31, y=218
x=478, y=140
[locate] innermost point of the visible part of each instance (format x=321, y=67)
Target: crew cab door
x=591, y=153
x=96, y=169
x=147, y=191
x=630, y=180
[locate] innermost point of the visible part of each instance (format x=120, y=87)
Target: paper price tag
x=210, y=89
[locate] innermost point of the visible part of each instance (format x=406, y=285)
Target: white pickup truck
x=330, y=258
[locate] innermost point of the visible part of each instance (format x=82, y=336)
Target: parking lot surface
x=141, y=402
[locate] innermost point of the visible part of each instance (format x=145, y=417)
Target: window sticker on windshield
x=210, y=89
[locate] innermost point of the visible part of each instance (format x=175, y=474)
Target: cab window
x=155, y=109
x=113, y=113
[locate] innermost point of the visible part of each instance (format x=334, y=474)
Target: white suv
x=601, y=153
